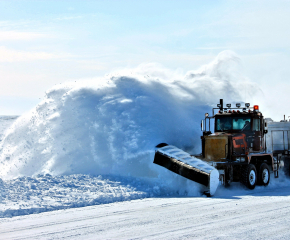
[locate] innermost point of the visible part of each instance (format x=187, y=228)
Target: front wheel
x=249, y=176
x=264, y=175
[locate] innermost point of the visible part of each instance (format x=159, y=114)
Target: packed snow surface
x=233, y=213
x=93, y=141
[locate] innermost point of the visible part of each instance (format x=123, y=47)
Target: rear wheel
x=249, y=176
x=264, y=175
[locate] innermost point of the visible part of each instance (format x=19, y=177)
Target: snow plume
x=111, y=125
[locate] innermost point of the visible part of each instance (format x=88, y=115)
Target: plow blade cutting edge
x=180, y=162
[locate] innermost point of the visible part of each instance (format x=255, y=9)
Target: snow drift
x=111, y=125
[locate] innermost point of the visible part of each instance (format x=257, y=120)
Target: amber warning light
x=256, y=107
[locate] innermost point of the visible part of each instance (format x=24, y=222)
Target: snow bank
x=42, y=193
x=27, y=195
x=110, y=125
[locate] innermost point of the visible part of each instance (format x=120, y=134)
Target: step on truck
x=238, y=145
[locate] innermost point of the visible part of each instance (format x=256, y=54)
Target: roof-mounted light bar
x=236, y=109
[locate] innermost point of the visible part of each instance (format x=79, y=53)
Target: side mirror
x=265, y=126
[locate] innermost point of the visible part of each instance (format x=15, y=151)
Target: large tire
x=249, y=176
x=264, y=175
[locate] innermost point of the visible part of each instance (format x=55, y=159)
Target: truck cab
x=237, y=146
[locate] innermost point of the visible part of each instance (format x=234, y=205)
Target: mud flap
x=180, y=162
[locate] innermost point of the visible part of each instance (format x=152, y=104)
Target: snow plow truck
x=239, y=146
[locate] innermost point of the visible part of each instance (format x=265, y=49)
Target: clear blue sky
x=43, y=43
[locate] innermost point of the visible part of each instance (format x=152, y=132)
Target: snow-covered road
x=264, y=214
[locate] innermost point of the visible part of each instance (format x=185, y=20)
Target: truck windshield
x=233, y=123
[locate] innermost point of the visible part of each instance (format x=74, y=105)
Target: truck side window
x=256, y=125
